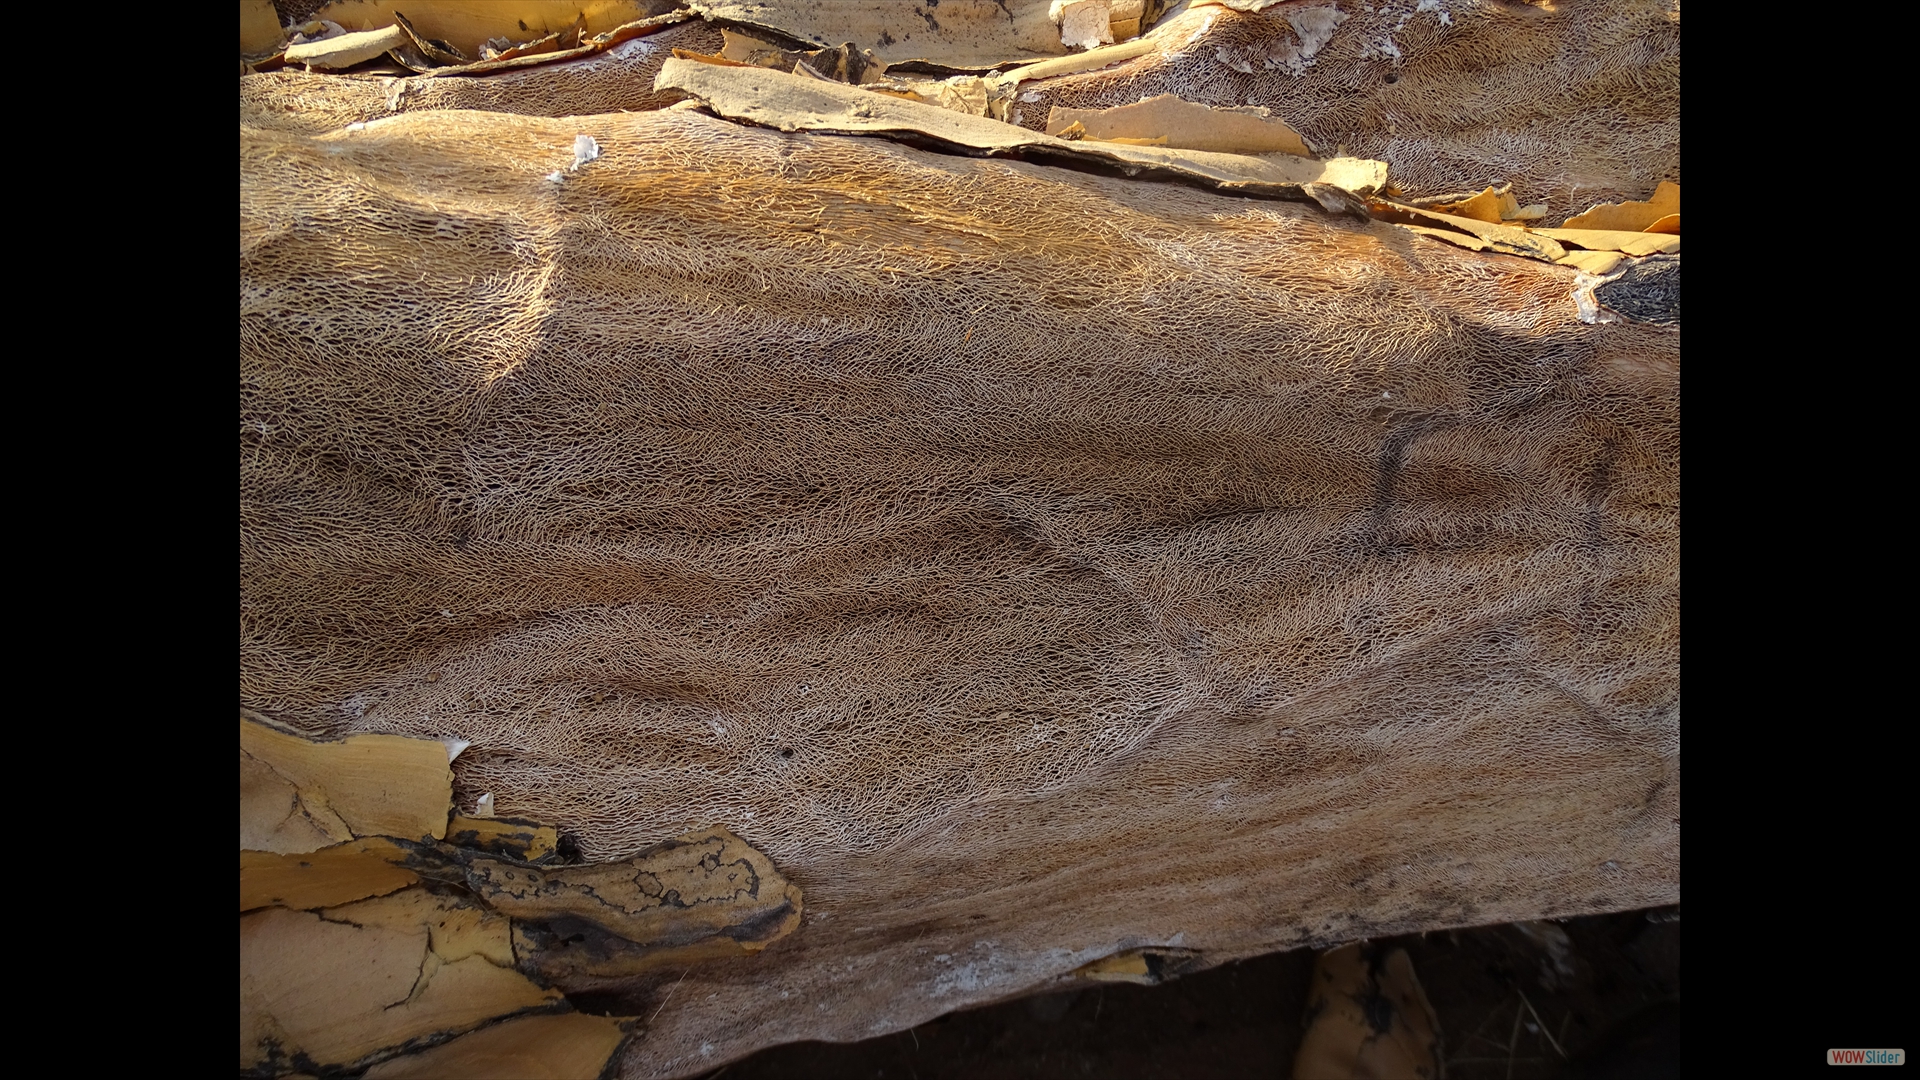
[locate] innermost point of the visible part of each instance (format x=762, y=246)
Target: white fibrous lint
x=584, y=150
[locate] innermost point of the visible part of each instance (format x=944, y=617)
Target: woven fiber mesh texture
x=1032, y=563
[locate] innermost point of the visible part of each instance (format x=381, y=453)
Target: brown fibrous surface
x=1034, y=564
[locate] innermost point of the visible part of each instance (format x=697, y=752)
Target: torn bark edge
x=446, y=865
x=627, y=1028
x=1146, y=966
x=1338, y=200
x=520, y=839
x=1591, y=310
x=278, y=1063
x=578, y=952
x=1477, y=235
x=441, y=53
x=282, y=726
x=366, y=867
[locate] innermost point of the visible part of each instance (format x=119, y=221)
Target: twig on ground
x=1551, y=1041
x=669, y=997
x=1513, y=1041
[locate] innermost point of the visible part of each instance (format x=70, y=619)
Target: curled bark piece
x=435, y=50
x=346, y=50
x=960, y=34
x=1472, y=232
x=1186, y=126
x=1147, y=967
x=791, y=103
x=514, y=838
x=1631, y=216
x=340, y=874
x=564, y=1046
x=341, y=988
x=699, y=886
x=1630, y=243
x=260, y=32
x=299, y=795
x=1370, y=1017
x=467, y=25
x=1084, y=24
